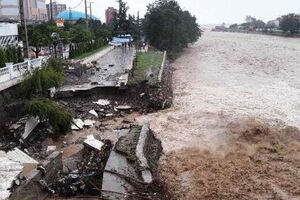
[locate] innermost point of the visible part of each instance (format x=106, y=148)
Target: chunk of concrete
x=30, y=125
x=93, y=143
x=102, y=102
x=89, y=123
x=77, y=124
x=94, y=113
x=146, y=174
x=123, y=107
x=111, y=182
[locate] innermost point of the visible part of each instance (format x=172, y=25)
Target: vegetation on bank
x=147, y=67
x=46, y=109
x=288, y=24
x=35, y=88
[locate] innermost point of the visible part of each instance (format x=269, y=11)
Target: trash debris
x=94, y=113
x=109, y=115
x=102, y=102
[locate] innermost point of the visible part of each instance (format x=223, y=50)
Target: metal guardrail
x=15, y=71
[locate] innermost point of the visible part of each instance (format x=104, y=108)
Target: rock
x=123, y=107
x=102, y=102
x=93, y=143
x=93, y=112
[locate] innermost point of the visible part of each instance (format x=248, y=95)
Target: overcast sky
x=206, y=11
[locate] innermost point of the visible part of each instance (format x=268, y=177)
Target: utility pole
x=24, y=35
x=51, y=11
x=86, y=15
x=91, y=10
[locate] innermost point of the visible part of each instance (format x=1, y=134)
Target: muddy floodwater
x=228, y=76
x=233, y=131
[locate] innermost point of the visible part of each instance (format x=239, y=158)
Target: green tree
x=20, y=55
x=3, y=59
x=290, y=23
x=168, y=27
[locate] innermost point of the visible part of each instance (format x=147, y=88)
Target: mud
x=260, y=163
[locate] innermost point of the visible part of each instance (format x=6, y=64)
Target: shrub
x=40, y=81
x=46, y=109
x=56, y=63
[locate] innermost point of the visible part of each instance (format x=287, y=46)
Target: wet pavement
x=108, y=72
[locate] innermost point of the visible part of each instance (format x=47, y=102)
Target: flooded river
x=225, y=77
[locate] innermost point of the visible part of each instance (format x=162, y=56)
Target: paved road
x=226, y=77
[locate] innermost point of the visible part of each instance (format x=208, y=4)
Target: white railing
x=16, y=71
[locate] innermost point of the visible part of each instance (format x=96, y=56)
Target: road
x=227, y=78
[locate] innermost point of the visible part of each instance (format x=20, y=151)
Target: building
x=56, y=9
x=34, y=10
x=110, y=14
x=8, y=34
x=72, y=16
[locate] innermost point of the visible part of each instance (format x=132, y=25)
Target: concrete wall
x=31, y=190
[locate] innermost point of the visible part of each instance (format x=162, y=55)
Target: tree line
x=289, y=24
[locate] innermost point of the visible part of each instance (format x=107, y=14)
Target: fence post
x=10, y=67
x=29, y=66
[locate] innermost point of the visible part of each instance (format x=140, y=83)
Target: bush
x=56, y=63
x=48, y=110
x=40, y=81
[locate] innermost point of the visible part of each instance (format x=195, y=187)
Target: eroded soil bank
x=233, y=131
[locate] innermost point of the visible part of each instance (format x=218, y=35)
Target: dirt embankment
x=259, y=162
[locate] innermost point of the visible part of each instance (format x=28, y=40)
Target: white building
x=8, y=34
x=33, y=10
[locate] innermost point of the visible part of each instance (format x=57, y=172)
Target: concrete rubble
x=13, y=164
x=94, y=113
x=102, y=102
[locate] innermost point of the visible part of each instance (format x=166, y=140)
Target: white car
x=116, y=44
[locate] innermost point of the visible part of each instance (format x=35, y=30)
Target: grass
x=147, y=67
x=85, y=55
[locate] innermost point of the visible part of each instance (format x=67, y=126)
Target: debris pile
x=87, y=179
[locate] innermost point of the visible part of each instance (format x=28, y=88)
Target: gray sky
x=206, y=11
